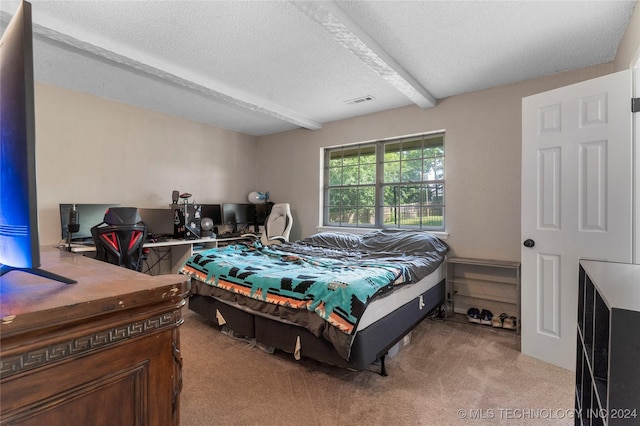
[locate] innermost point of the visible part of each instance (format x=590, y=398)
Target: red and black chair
x=119, y=239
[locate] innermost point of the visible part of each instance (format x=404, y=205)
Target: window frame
x=423, y=184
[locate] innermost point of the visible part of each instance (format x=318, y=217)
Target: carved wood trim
x=26, y=361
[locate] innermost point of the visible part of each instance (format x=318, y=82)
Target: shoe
x=473, y=315
x=510, y=322
x=498, y=321
x=485, y=317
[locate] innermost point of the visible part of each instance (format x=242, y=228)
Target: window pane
x=389, y=216
x=350, y=175
x=350, y=156
x=368, y=155
x=349, y=197
x=366, y=216
x=433, y=216
x=434, y=168
x=335, y=176
x=349, y=216
x=410, y=194
x=367, y=196
x=368, y=174
x=433, y=151
x=412, y=171
x=412, y=150
x=409, y=215
x=390, y=196
x=391, y=172
x=392, y=152
x=334, y=197
x=434, y=194
x=335, y=158
x=335, y=215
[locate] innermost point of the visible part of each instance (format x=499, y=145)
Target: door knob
x=529, y=243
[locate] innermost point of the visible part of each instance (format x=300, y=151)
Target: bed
x=339, y=298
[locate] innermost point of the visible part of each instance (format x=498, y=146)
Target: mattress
x=387, y=303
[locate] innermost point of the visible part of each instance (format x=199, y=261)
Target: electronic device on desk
x=19, y=240
x=160, y=222
x=236, y=214
x=186, y=219
x=212, y=212
x=86, y=216
x=73, y=226
x=257, y=215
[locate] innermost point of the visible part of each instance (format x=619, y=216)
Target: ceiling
x=263, y=67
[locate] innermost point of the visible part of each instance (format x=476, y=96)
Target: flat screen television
x=19, y=242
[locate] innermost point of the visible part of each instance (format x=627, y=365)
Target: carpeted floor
x=451, y=373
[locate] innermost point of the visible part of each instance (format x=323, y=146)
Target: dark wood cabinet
x=103, y=351
x=607, y=367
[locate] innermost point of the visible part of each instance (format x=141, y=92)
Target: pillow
x=402, y=241
x=334, y=240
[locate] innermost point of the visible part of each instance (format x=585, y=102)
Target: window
x=395, y=183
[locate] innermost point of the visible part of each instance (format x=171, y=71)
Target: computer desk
x=180, y=250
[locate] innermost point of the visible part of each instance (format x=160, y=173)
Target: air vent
x=360, y=100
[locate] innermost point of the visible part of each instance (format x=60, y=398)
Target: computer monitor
x=89, y=215
x=235, y=214
x=258, y=213
x=19, y=240
x=213, y=212
x=160, y=222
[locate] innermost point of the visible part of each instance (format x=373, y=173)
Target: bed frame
x=370, y=344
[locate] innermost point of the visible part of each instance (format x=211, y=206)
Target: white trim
x=390, y=138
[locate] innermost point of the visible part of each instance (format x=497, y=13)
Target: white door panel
x=576, y=203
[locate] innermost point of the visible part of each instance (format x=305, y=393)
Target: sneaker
x=485, y=317
x=473, y=315
x=498, y=321
x=511, y=323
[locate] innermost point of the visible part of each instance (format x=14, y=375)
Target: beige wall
x=482, y=148
x=92, y=150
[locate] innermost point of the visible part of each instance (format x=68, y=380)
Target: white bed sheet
x=383, y=306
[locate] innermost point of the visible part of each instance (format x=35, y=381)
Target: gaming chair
x=277, y=226
x=119, y=239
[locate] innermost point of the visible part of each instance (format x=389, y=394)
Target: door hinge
x=635, y=104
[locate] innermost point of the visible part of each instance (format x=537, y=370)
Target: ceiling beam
x=130, y=58
x=346, y=32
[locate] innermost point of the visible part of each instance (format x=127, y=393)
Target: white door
x=576, y=203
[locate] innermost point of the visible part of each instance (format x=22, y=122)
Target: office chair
x=119, y=239
x=277, y=226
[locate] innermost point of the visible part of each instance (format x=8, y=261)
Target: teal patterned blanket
x=336, y=290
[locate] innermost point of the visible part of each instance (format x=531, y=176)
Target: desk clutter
x=125, y=235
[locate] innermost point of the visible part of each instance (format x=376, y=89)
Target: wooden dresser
x=104, y=351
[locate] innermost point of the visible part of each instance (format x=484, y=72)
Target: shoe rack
x=484, y=284
x=607, y=367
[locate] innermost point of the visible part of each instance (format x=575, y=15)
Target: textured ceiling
x=262, y=67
